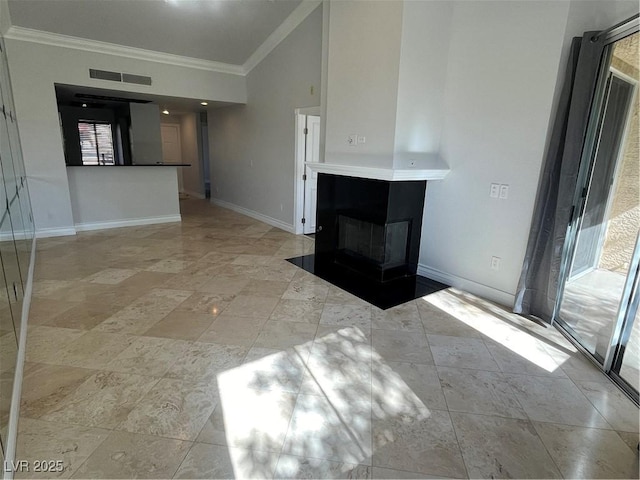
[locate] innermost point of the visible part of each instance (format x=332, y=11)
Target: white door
x=312, y=154
x=171, y=149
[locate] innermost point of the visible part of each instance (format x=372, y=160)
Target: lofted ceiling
x=226, y=31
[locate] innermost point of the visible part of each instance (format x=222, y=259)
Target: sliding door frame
x=631, y=295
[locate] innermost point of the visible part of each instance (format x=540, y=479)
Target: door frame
x=300, y=116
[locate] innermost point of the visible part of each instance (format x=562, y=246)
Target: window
x=96, y=143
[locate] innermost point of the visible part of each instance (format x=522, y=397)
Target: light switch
x=504, y=191
x=352, y=140
x=494, y=191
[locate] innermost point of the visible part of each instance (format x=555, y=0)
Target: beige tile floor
x=194, y=350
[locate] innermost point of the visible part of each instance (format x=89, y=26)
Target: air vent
x=139, y=79
x=105, y=75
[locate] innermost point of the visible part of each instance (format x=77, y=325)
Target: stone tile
x=181, y=325
x=396, y=346
x=496, y=447
x=330, y=429
x=306, y=291
x=213, y=431
x=206, y=303
x=44, y=344
x=231, y=330
x=148, y=356
x=555, y=400
x=84, y=316
x=267, y=369
x=378, y=472
x=420, y=379
x=478, y=391
x=588, y=452
x=575, y=365
x=43, y=309
x=346, y=316
x=230, y=285
x=169, y=265
x=283, y=335
x=438, y=322
x=251, y=306
x=254, y=420
x=265, y=288
x=404, y=317
x=631, y=439
x=213, y=461
x=111, y=276
x=341, y=297
x=72, y=445
x=302, y=311
x=461, y=352
x=94, y=349
x=172, y=408
x=290, y=466
x=202, y=362
x=524, y=355
x=620, y=412
x=44, y=386
x=128, y=455
x=103, y=400
x=425, y=443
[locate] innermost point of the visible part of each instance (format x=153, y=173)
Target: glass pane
x=611, y=218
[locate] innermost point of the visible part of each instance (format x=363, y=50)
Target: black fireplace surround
x=368, y=238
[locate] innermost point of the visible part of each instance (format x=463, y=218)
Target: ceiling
x=69, y=95
x=226, y=31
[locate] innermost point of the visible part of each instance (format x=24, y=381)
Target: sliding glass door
x=597, y=304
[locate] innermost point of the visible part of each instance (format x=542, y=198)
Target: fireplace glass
x=384, y=245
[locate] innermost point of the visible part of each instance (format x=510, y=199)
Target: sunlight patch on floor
x=315, y=400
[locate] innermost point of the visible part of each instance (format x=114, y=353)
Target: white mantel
x=405, y=167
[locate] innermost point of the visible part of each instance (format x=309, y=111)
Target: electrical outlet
x=504, y=192
x=352, y=140
x=362, y=140
x=495, y=263
x=494, y=191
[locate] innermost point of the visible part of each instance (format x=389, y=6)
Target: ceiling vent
x=139, y=79
x=119, y=77
x=105, y=75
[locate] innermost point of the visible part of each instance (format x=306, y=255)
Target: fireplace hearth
x=368, y=238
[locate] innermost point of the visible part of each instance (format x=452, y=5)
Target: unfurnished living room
x=319, y=238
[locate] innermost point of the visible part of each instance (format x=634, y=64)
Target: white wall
x=362, y=81
x=104, y=197
x=252, y=147
x=424, y=53
x=34, y=69
x=501, y=75
x=192, y=181
x=146, y=142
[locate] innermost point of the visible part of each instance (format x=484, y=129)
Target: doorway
x=171, y=148
x=307, y=151
x=598, y=300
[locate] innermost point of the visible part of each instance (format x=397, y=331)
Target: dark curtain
x=537, y=288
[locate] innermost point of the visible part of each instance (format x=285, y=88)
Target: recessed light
x=165, y=111
x=84, y=105
x=204, y=103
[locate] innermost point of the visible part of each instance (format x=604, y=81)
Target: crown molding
x=296, y=17
x=76, y=43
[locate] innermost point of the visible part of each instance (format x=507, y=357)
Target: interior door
x=312, y=154
x=171, y=149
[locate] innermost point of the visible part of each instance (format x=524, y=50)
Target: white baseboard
x=483, y=291
x=132, y=222
x=274, y=222
x=54, y=232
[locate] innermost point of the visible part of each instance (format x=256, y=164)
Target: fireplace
x=368, y=238
x=372, y=247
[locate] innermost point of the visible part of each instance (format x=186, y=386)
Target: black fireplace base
x=383, y=295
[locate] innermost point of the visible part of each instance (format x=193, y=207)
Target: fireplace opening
x=382, y=246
